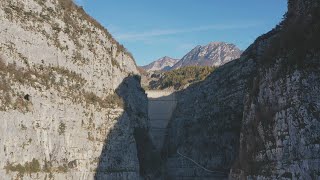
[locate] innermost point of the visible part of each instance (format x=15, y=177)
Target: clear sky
x=151, y=29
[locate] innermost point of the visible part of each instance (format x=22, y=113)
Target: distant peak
x=166, y=57
x=212, y=54
x=161, y=64
x=197, y=47
x=217, y=43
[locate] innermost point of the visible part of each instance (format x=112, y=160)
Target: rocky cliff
x=213, y=54
x=258, y=115
x=64, y=113
x=280, y=126
x=206, y=123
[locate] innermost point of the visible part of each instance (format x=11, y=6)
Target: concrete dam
x=161, y=106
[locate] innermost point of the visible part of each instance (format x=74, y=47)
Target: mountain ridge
x=212, y=54
x=163, y=64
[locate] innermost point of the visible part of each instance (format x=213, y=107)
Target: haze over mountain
x=162, y=64
x=213, y=54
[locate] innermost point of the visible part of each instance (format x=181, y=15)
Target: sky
x=151, y=29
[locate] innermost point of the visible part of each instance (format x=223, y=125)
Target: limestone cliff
x=280, y=126
x=63, y=111
x=206, y=123
x=258, y=115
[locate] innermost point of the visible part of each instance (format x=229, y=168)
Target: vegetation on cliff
x=66, y=82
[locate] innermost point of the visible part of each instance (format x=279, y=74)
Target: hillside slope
x=178, y=79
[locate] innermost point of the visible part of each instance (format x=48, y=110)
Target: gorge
x=72, y=105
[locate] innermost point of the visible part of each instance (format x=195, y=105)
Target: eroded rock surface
x=64, y=111
x=206, y=123
x=258, y=115
x=280, y=127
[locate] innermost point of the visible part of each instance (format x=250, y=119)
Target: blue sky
x=151, y=29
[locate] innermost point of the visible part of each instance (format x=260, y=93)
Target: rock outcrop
x=258, y=115
x=214, y=54
x=127, y=148
x=64, y=111
x=206, y=123
x=280, y=127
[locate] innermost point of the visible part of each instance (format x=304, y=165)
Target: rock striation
x=257, y=116
x=122, y=154
x=280, y=126
x=68, y=110
x=206, y=123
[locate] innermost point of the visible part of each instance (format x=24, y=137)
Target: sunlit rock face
x=63, y=111
x=280, y=127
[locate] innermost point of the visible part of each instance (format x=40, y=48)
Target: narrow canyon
x=72, y=105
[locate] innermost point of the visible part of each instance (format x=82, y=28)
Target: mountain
x=162, y=64
x=213, y=54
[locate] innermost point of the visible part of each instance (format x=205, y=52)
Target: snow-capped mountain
x=213, y=54
x=162, y=64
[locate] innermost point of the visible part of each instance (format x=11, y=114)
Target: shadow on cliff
x=206, y=124
x=128, y=152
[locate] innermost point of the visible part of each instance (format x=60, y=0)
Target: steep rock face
x=57, y=33
x=59, y=73
x=271, y=107
x=122, y=154
x=301, y=7
x=280, y=129
x=162, y=64
x=213, y=54
x=206, y=123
